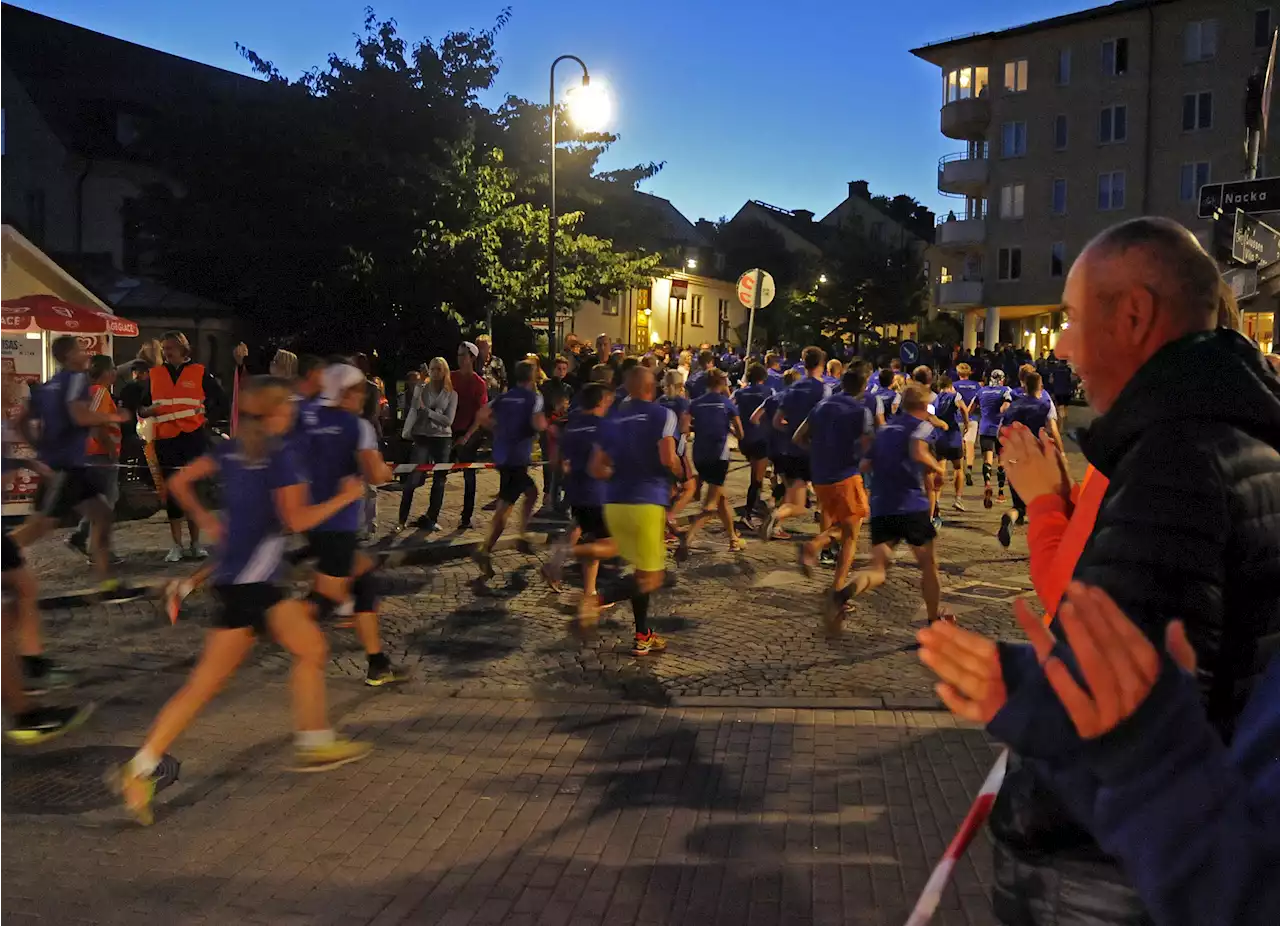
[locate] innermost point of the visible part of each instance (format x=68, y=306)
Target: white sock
x=346, y=608
x=144, y=763
x=310, y=739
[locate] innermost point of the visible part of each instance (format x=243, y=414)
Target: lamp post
x=585, y=108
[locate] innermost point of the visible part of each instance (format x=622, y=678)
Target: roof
x=40, y=273
x=80, y=79
x=797, y=221
x=1054, y=22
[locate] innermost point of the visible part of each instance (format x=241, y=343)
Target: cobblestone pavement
x=739, y=625
x=487, y=811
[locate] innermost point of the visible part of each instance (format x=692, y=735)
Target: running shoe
x=79, y=543
x=135, y=791
x=968, y=479
x=110, y=591
x=427, y=526
x=986, y=497
x=956, y=506
x=770, y=527
x=827, y=558
x=936, y=521
x=385, y=674
x=330, y=755
x=195, y=551
x=806, y=561
x=41, y=724
x=174, y=555
x=737, y=544
x=52, y=677
x=647, y=643
x=482, y=559
x=944, y=617
x=1003, y=534
x=464, y=524
x=552, y=576
x=175, y=592
x=1000, y=497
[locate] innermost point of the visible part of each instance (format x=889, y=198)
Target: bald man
x=1189, y=526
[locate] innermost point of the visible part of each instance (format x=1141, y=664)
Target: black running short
x=591, y=519
x=513, y=482
x=246, y=605
x=951, y=454
x=335, y=552
x=712, y=472
x=914, y=527
x=12, y=555
x=991, y=443
x=66, y=490
x=792, y=469
x=755, y=450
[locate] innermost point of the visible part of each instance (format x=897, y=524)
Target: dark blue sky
x=778, y=101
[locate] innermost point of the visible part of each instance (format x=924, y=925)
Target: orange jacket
x=179, y=406
x=100, y=401
x=1057, y=533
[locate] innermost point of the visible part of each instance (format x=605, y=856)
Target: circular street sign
x=756, y=289
x=909, y=351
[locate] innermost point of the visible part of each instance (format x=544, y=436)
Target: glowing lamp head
x=589, y=106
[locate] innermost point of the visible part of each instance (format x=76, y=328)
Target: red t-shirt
x=472, y=393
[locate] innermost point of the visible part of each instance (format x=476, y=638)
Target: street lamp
x=822, y=278
x=589, y=109
x=691, y=263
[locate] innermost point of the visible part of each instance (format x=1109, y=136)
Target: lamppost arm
x=552, y=220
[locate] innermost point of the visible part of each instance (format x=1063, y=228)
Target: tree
x=747, y=245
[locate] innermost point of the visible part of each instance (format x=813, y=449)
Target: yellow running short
x=640, y=532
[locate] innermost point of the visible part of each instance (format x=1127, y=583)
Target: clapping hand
x=1035, y=466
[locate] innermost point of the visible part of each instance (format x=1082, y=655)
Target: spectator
x=432, y=409
x=490, y=367
x=472, y=394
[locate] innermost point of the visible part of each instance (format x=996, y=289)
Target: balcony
x=965, y=234
x=967, y=119
x=958, y=294
x=962, y=174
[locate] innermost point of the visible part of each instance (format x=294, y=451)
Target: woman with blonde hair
x=284, y=365
x=673, y=397
x=429, y=424
x=264, y=495
x=539, y=374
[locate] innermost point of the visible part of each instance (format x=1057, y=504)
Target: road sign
x=756, y=289
x=1253, y=241
x=1251, y=196
x=679, y=289
x=1243, y=281
x=909, y=351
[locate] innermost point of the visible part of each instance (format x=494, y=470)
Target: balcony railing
x=967, y=119
x=962, y=174
x=961, y=232
x=958, y=293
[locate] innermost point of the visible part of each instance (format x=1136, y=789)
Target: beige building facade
x=703, y=310
x=1071, y=124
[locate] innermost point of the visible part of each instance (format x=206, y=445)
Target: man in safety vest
x=176, y=398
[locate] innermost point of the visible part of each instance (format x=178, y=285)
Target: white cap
x=337, y=379
x=475, y=351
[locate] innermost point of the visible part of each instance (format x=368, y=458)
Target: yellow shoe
x=647, y=643
x=330, y=755
x=136, y=792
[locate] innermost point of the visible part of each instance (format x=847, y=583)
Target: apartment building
x=1068, y=125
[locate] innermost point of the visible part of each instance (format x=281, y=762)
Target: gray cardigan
x=432, y=413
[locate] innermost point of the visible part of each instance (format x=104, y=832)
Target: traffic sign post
x=1253, y=197
x=755, y=291
x=1243, y=281
x=909, y=351
x=1254, y=241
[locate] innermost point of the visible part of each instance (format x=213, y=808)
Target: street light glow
x=589, y=106
x=691, y=263
x=822, y=278
x=1044, y=329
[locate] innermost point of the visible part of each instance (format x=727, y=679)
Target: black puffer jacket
x=1189, y=528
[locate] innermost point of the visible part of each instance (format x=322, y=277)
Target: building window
x=1013, y=200
x=1200, y=40
x=1015, y=76
x=1262, y=28
x=1009, y=264
x=963, y=83
x=1060, y=132
x=1113, y=124
x=695, y=311
x=1057, y=258
x=1064, y=67
x=609, y=305
x=1191, y=178
x=1013, y=139
x=1115, y=57
x=1059, y=196
x=1111, y=191
x=1197, y=111
x=723, y=314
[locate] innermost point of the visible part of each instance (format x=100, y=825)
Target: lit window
x=609, y=305
x=1064, y=67
x=1115, y=57
x=1057, y=258
x=1060, y=132
x=1111, y=191
x=1200, y=40
x=1197, y=111
x=1009, y=264
x=695, y=311
x=1013, y=140
x=1191, y=178
x=1113, y=124
x=1015, y=76
x=1013, y=200
x=963, y=83
x=1059, y=197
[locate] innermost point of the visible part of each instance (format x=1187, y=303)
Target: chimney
x=804, y=215
x=859, y=188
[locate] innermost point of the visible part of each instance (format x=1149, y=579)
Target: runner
x=773, y=372
x=264, y=494
x=776, y=440
x=967, y=388
x=515, y=417
x=899, y=458
x=637, y=457
x=585, y=496
x=993, y=399
x=103, y=449
x=1029, y=410
x=838, y=434
x=338, y=443
x=882, y=398
x=696, y=385
x=755, y=439
x=949, y=447
x=797, y=402
x=673, y=398
x=714, y=418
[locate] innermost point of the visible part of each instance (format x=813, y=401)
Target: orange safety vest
x=101, y=401
x=179, y=406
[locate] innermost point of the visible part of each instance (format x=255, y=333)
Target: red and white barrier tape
x=931, y=896
x=403, y=468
